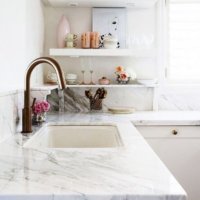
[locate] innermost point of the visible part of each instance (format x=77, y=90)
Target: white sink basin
x=76, y=136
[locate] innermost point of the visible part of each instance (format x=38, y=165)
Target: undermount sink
x=76, y=136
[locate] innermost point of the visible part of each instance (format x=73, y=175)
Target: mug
x=52, y=77
x=71, y=36
x=70, y=44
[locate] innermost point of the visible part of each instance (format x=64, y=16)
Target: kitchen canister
x=85, y=40
x=94, y=40
x=63, y=30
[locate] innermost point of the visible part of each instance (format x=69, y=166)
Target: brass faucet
x=27, y=111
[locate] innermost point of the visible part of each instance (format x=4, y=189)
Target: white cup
x=52, y=77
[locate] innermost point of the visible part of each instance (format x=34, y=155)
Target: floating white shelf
x=114, y=86
x=104, y=52
x=99, y=3
x=45, y=87
x=48, y=87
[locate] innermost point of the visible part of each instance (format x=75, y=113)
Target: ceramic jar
x=104, y=81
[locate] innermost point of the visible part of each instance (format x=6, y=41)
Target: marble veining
x=8, y=115
x=75, y=100
x=132, y=172
x=187, y=102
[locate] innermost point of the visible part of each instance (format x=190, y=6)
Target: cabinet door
x=180, y=153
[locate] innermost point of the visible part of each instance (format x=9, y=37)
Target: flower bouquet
x=40, y=110
x=122, y=76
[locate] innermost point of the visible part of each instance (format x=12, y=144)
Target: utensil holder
x=96, y=104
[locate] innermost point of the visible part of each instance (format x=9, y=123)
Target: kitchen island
x=132, y=172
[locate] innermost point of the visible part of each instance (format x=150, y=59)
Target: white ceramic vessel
x=71, y=78
x=110, y=45
x=146, y=81
x=52, y=77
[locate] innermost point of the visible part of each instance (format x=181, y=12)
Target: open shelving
x=104, y=52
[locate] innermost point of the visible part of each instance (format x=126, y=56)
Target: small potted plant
x=122, y=76
x=40, y=110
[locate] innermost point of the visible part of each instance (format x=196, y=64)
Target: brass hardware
x=175, y=132
x=27, y=111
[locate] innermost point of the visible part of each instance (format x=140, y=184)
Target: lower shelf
x=115, y=86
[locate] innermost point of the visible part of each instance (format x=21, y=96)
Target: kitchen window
x=183, y=42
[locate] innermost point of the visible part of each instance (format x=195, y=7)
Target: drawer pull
x=175, y=132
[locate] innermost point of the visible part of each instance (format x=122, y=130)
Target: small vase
x=63, y=29
x=120, y=81
x=39, y=118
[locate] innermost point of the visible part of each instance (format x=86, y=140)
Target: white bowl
x=114, y=39
x=71, y=76
x=110, y=38
x=146, y=81
x=110, y=45
x=71, y=80
x=54, y=79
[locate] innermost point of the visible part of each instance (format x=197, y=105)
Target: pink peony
x=41, y=107
x=124, y=77
x=122, y=72
x=119, y=69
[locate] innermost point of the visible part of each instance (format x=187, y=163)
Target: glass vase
x=39, y=118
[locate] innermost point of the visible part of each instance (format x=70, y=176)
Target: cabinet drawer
x=169, y=131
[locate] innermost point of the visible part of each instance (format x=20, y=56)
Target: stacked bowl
x=110, y=42
x=71, y=78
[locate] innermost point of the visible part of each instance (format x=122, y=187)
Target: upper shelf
x=100, y=3
x=104, y=52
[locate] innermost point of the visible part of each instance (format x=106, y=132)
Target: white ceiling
x=100, y=3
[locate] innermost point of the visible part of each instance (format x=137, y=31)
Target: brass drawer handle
x=175, y=132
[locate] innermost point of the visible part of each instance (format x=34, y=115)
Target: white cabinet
x=180, y=153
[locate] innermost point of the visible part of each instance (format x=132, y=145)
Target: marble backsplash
x=10, y=113
x=139, y=98
x=75, y=100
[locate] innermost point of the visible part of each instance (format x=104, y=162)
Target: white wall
x=12, y=43
x=35, y=37
x=21, y=41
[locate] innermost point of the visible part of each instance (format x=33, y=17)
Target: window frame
x=170, y=85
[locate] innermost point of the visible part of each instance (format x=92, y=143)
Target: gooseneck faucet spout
x=27, y=111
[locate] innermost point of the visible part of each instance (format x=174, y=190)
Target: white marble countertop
x=132, y=172
x=184, y=118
